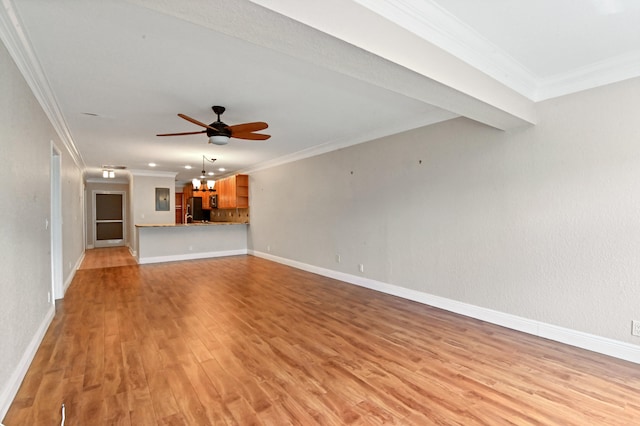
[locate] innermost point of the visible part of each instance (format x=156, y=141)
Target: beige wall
x=542, y=222
x=142, y=188
x=26, y=144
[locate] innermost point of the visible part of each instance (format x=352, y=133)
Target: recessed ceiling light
x=187, y=167
x=221, y=169
x=152, y=164
x=210, y=173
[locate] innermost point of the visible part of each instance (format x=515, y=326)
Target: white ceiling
x=324, y=75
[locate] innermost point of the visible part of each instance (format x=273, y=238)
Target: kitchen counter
x=167, y=242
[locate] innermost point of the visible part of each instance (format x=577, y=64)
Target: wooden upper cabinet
x=233, y=192
x=187, y=192
x=242, y=191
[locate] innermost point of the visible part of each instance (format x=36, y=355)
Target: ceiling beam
x=415, y=67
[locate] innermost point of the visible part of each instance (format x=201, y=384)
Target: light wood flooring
x=107, y=258
x=244, y=341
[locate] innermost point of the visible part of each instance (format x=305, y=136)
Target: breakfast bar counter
x=171, y=242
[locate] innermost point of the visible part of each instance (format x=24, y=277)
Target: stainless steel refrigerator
x=194, y=208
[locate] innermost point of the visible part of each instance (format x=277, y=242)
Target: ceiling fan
x=219, y=133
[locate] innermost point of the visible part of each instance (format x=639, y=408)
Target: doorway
x=179, y=213
x=109, y=218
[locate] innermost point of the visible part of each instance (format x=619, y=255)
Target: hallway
x=107, y=258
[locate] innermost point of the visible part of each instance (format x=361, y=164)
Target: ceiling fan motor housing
x=221, y=134
x=221, y=129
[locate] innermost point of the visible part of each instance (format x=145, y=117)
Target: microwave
x=213, y=201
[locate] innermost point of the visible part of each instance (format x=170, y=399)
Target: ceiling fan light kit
x=219, y=139
x=219, y=133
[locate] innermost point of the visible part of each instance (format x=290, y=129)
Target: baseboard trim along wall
x=190, y=256
x=72, y=274
x=10, y=389
x=603, y=345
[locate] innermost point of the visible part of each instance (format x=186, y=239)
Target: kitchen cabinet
x=206, y=198
x=233, y=192
x=187, y=192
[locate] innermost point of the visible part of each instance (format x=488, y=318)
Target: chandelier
x=202, y=183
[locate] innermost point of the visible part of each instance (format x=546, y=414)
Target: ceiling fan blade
x=251, y=136
x=183, y=133
x=247, y=127
x=194, y=121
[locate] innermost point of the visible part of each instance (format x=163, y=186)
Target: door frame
x=57, y=290
x=108, y=243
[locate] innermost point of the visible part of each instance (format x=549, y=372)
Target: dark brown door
x=179, y=212
x=109, y=219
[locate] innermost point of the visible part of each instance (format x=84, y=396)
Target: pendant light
x=204, y=184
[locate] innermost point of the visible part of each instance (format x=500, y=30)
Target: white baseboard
x=191, y=256
x=67, y=282
x=591, y=342
x=10, y=390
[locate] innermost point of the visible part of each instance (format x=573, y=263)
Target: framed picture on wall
x=162, y=199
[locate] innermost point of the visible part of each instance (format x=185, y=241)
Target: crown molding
x=152, y=173
x=433, y=118
x=17, y=43
x=107, y=181
x=612, y=70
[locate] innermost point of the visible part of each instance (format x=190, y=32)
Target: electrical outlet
x=338, y=259
x=361, y=267
x=268, y=248
x=635, y=328
x=48, y=297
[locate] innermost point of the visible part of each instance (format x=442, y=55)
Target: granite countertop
x=179, y=225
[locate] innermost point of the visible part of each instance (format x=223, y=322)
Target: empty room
x=354, y=212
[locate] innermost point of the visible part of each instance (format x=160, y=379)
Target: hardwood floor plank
x=117, y=410
x=134, y=373
x=186, y=398
x=225, y=384
x=94, y=366
x=141, y=412
x=90, y=409
x=114, y=380
x=164, y=403
x=205, y=390
x=241, y=340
